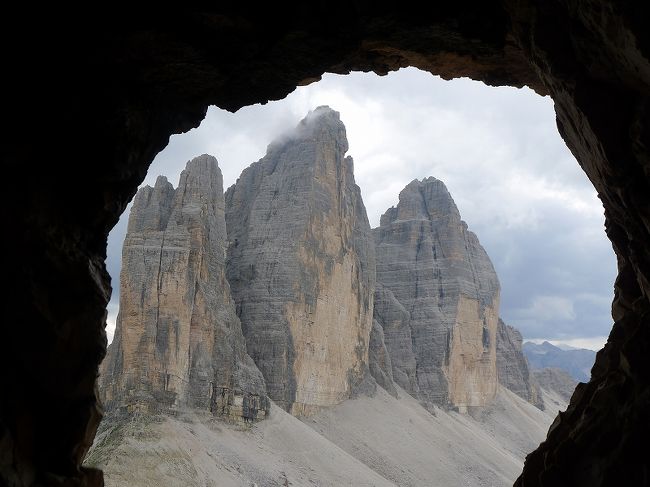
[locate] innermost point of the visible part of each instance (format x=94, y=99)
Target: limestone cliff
x=512, y=367
x=301, y=265
x=178, y=342
x=437, y=299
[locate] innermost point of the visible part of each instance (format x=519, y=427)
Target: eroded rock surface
x=379, y=361
x=301, y=265
x=512, y=367
x=178, y=342
x=556, y=380
x=437, y=299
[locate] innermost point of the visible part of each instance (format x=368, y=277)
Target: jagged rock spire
x=301, y=265
x=178, y=342
x=437, y=299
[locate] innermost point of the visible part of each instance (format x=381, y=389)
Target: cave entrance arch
x=123, y=82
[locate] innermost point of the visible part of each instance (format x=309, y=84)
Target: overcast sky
x=498, y=151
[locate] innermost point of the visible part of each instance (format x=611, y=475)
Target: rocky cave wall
x=89, y=102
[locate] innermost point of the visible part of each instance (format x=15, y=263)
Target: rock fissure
x=158, y=282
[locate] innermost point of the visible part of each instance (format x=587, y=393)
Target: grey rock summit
x=512, y=367
x=437, y=300
x=301, y=265
x=178, y=342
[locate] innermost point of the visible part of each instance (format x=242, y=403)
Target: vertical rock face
x=178, y=342
x=394, y=321
x=512, y=366
x=301, y=265
x=379, y=360
x=437, y=299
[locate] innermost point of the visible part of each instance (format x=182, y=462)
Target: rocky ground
x=368, y=441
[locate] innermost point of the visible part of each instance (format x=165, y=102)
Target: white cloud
x=111, y=320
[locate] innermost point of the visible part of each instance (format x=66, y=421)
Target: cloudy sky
x=498, y=151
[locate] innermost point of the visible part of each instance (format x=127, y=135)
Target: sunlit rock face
x=437, y=299
x=301, y=265
x=178, y=342
x=513, y=368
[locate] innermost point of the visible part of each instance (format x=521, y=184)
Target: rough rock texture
x=379, y=360
x=556, y=380
x=379, y=441
x=437, y=299
x=576, y=362
x=512, y=366
x=178, y=342
x=120, y=83
x=301, y=265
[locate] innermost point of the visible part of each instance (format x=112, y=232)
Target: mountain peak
x=309, y=281
x=428, y=263
x=322, y=123
x=426, y=199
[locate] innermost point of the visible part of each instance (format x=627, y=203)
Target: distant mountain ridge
x=576, y=362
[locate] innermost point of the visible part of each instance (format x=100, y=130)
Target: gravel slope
x=369, y=441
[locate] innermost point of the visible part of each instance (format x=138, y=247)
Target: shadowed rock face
x=124, y=82
x=512, y=366
x=178, y=342
x=437, y=299
x=301, y=265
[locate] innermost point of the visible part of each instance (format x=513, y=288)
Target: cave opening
x=123, y=83
x=498, y=151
